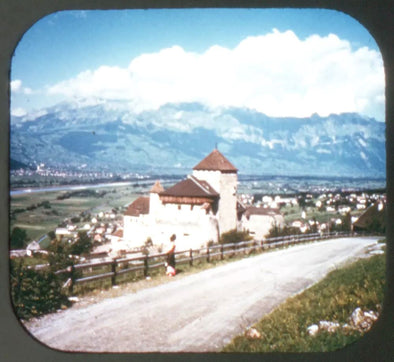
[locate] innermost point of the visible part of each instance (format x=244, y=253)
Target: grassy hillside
x=334, y=299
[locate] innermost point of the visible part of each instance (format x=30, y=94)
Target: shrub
x=234, y=236
x=34, y=293
x=82, y=245
x=18, y=238
x=275, y=231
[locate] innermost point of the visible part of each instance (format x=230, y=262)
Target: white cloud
x=18, y=112
x=277, y=74
x=16, y=87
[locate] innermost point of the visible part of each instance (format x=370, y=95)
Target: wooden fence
x=112, y=269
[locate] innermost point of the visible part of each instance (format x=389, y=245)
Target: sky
x=279, y=62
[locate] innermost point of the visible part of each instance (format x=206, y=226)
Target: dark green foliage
x=61, y=252
x=234, y=236
x=58, y=257
x=82, y=193
x=75, y=219
x=82, y=245
x=376, y=226
x=46, y=204
x=51, y=235
x=286, y=230
x=18, y=238
x=34, y=293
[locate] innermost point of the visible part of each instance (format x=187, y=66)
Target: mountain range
x=111, y=136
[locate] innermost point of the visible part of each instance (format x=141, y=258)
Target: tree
x=35, y=292
x=82, y=245
x=301, y=201
x=347, y=222
x=59, y=255
x=18, y=238
x=51, y=235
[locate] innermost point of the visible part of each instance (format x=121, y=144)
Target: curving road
x=198, y=313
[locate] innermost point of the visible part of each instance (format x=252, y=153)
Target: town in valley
x=132, y=211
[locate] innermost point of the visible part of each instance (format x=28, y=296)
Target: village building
x=259, y=221
x=197, y=209
x=33, y=246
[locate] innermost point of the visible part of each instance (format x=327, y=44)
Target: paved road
x=198, y=313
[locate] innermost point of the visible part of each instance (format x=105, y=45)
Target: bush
x=34, y=293
x=82, y=245
x=18, y=238
x=286, y=230
x=234, y=236
x=75, y=219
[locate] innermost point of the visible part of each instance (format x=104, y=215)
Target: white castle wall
x=136, y=230
x=155, y=204
x=228, y=202
x=192, y=225
x=212, y=177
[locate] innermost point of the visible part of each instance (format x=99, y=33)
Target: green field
x=38, y=220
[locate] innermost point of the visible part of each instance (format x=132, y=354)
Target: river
x=66, y=188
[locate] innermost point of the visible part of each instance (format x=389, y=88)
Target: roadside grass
x=360, y=284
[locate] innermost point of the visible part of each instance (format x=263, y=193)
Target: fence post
x=191, y=257
x=221, y=252
x=113, y=269
x=146, y=266
x=71, y=268
x=207, y=253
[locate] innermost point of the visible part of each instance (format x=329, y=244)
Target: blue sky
x=137, y=54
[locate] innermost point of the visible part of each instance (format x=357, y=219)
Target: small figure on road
x=170, y=264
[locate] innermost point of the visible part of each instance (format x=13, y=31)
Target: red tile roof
x=215, y=161
x=254, y=210
x=118, y=233
x=191, y=187
x=138, y=207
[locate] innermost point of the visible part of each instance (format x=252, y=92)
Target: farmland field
x=40, y=213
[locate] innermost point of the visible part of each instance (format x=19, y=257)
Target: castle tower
x=222, y=176
x=154, y=200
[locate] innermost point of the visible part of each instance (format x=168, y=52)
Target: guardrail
x=114, y=268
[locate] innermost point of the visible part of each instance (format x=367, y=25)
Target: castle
x=197, y=209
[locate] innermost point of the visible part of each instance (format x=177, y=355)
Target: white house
x=197, y=209
x=260, y=220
